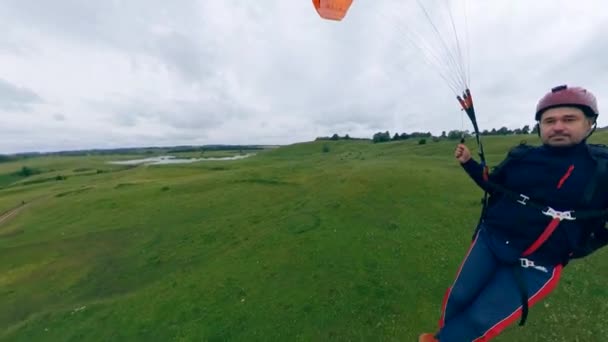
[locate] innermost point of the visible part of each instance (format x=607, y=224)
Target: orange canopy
x=332, y=9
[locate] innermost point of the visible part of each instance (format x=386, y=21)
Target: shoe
x=428, y=337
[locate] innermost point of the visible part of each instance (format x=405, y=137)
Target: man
x=528, y=232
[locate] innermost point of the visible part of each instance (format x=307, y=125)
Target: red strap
x=561, y=181
x=552, y=225
x=543, y=237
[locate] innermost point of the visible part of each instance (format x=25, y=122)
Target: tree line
x=450, y=135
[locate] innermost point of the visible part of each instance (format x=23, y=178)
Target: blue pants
x=485, y=298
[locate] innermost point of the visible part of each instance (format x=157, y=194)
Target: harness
x=595, y=234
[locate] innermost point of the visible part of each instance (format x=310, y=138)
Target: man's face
x=564, y=126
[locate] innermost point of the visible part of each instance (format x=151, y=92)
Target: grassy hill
x=294, y=244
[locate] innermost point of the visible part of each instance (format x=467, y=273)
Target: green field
x=353, y=242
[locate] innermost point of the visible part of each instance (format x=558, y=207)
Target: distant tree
x=4, y=158
x=455, y=134
x=535, y=129
x=347, y=137
x=404, y=136
x=422, y=141
x=381, y=137
x=335, y=137
x=396, y=136
x=27, y=171
x=421, y=135
x=493, y=131
x=525, y=129
x=504, y=131
x=443, y=135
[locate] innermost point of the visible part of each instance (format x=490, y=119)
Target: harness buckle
x=525, y=263
x=523, y=199
x=561, y=215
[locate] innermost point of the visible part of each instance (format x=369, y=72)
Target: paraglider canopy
x=332, y=9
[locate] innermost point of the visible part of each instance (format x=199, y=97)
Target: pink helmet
x=565, y=96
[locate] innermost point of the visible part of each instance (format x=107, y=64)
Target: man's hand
x=462, y=153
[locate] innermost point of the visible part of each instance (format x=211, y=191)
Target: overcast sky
x=100, y=74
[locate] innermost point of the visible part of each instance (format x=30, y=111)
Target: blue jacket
x=556, y=177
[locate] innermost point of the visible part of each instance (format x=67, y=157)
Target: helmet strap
x=592, y=130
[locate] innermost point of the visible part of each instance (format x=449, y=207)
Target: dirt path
x=7, y=215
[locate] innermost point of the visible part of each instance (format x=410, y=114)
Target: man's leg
x=476, y=270
x=499, y=304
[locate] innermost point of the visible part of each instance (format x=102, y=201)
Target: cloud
x=16, y=98
x=146, y=72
